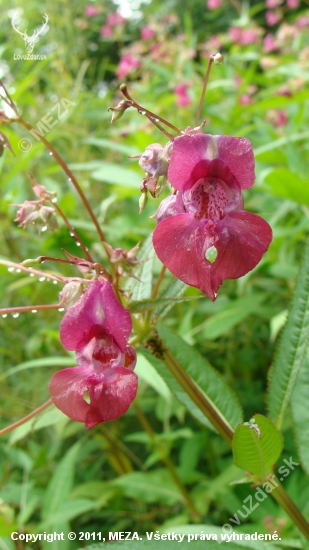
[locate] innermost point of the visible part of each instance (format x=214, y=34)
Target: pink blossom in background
x=213, y=4
x=273, y=3
x=97, y=328
x=245, y=99
x=147, y=33
x=106, y=31
x=242, y=37
x=203, y=234
x=269, y=44
x=292, y=4
x=126, y=65
x=302, y=22
x=114, y=19
x=235, y=34
x=91, y=11
x=281, y=119
x=183, y=98
x=272, y=18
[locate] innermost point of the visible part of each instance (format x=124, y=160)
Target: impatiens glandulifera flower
x=103, y=385
x=203, y=234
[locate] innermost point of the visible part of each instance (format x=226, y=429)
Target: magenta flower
x=147, y=33
x=97, y=328
x=203, y=234
x=91, y=11
x=126, y=65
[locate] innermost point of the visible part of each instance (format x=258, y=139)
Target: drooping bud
x=118, y=111
x=153, y=160
x=143, y=201
x=4, y=142
x=70, y=294
x=150, y=184
x=218, y=58
x=211, y=254
x=34, y=214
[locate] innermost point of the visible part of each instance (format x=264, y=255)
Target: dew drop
x=18, y=270
x=41, y=279
x=34, y=311
x=50, y=153
x=142, y=112
x=15, y=315
x=77, y=244
x=55, y=282
x=69, y=179
x=44, y=228
x=31, y=274
x=11, y=269
x=54, y=199
x=4, y=315
x=72, y=234
x=61, y=309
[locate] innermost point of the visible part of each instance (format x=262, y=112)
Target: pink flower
x=292, y=4
x=115, y=19
x=126, y=65
x=272, y=18
x=106, y=31
x=203, y=234
x=269, y=44
x=91, y=11
x=97, y=328
x=281, y=119
x=213, y=4
x=147, y=33
x=273, y=3
x=245, y=99
x=182, y=96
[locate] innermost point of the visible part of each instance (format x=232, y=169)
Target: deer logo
x=30, y=41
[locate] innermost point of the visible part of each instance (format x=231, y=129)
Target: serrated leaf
x=288, y=185
x=256, y=447
x=292, y=346
x=204, y=376
x=148, y=373
x=300, y=413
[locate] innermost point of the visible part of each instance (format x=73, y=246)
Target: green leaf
x=141, y=289
x=155, y=486
x=68, y=510
x=148, y=373
x=206, y=378
x=146, y=305
x=292, y=346
x=288, y=185
x=233, y=313
x=112, y=145
x=49, y=417
x=116, y=174
x=38, y=363
x=174, y=290
x=257, y=445
x=60, y=484
x=166, y=544
x=300, y=413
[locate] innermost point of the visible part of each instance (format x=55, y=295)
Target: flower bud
x=218, y=58
x=143, y=201
x=119, y=110
x=153, y=160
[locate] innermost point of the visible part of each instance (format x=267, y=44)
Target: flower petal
x=243, y=238
x=192, y=156
x=67, y=388
x=111, y=396
x=98, y=306
x=180, y=242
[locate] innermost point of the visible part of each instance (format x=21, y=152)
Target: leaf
x=292, y=346
x=233, y=313
x=69, y=510
x=300, y=413
x=38, y=363
x=201, y=372
x=49, y=417
x=148, y=373
x=288, y=185
x=141, y=289
x=174, y=290
x=112, y=145
x=154, y=486
x=116, y=174
x=60, y=484
x=257, y=445
x=146, y=305
x=166, y=544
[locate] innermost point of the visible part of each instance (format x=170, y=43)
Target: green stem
x=210, y=62
x=26, y=418
x=283, y=499
x=199, y=398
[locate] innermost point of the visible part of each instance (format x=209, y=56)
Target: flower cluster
x=103, y=385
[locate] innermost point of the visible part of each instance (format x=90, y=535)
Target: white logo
x=30, y=41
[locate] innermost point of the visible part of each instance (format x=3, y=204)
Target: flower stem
x=283, y=499
x=199, y=398
x=26, y=418
x=210, y=62
x=72, y=230
x=23, y=309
